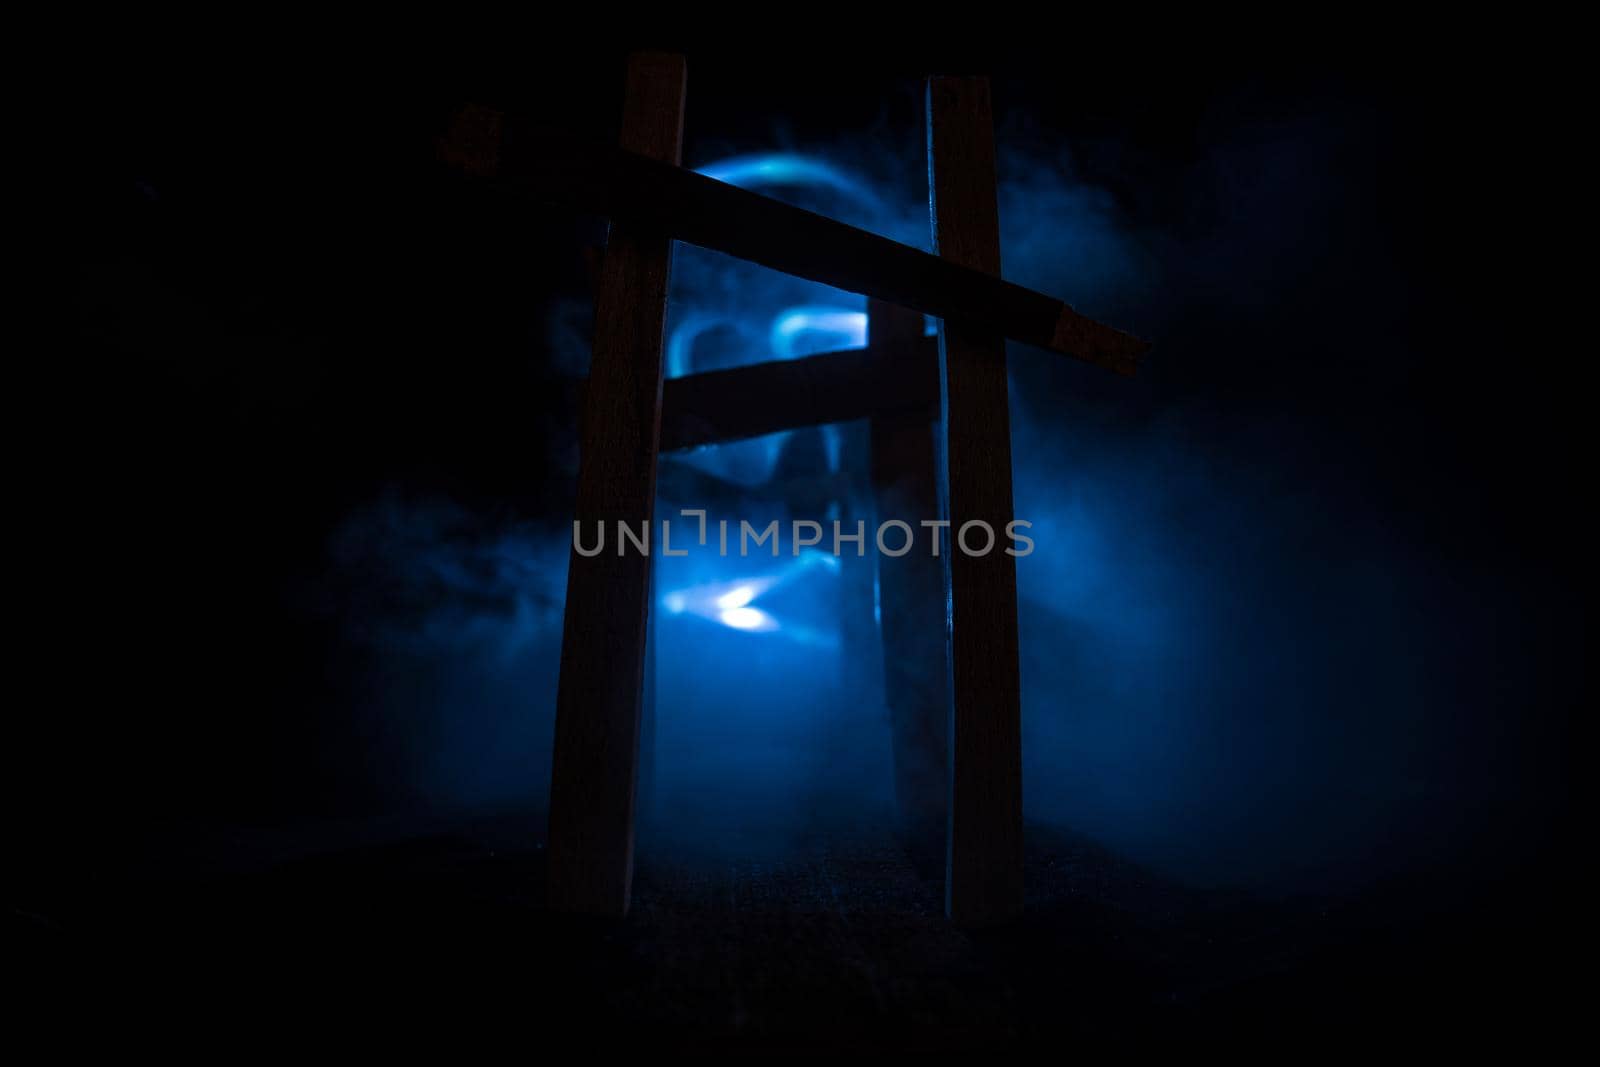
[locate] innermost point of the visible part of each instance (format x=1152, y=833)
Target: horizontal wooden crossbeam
x=728, y=405
x=555, y=167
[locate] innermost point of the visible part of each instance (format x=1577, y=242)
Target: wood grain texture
x=595, y=760
x=690, y=207
x=763, y=398
x=984, y=879
x=644, y=794
x=905, y=486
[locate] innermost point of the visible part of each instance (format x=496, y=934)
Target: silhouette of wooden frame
x=895, y=382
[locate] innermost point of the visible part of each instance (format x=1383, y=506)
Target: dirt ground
x=835, y=940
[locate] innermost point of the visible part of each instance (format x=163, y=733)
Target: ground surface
x=835, y=938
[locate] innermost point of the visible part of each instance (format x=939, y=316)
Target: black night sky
x=1299, y=645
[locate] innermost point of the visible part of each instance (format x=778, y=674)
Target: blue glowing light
x=732, y=603
x=788, y=168
x=735, y=318
x=825, y=328
x=753, y=619
x=800, y=329
x=731, y=315
x=737, y=597
x=680, y=342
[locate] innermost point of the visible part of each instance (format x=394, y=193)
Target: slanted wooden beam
x=905, y=486
x=728, y=405
x=984, y=879
x=595, y=762
x=558, y=168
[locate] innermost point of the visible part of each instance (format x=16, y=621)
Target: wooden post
x=644, y=795
x=905, y=486
x=595, y=761
x=984, y=877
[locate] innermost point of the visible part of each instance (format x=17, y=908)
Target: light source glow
x=789, y=168
x=838, y=328
x=731, y=604
x=737, y=597
x=753, y=619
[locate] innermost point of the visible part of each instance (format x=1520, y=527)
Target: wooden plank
x=558, y=168
x=984, y=880
x=644, y=798
x=595, y=761
x=763, y=398
x=904, y=468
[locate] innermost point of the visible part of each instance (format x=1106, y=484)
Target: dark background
x=308, y=376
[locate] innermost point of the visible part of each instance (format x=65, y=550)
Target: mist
x=1232, y=658
x=1278, y=631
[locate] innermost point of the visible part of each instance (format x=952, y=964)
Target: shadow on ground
x=834, y=940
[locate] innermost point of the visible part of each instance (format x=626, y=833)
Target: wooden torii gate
x=652, y=201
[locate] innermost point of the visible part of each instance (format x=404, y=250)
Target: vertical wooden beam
x=644, y=796
x=984, y=874
x=595, y=761
x=905, y=486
